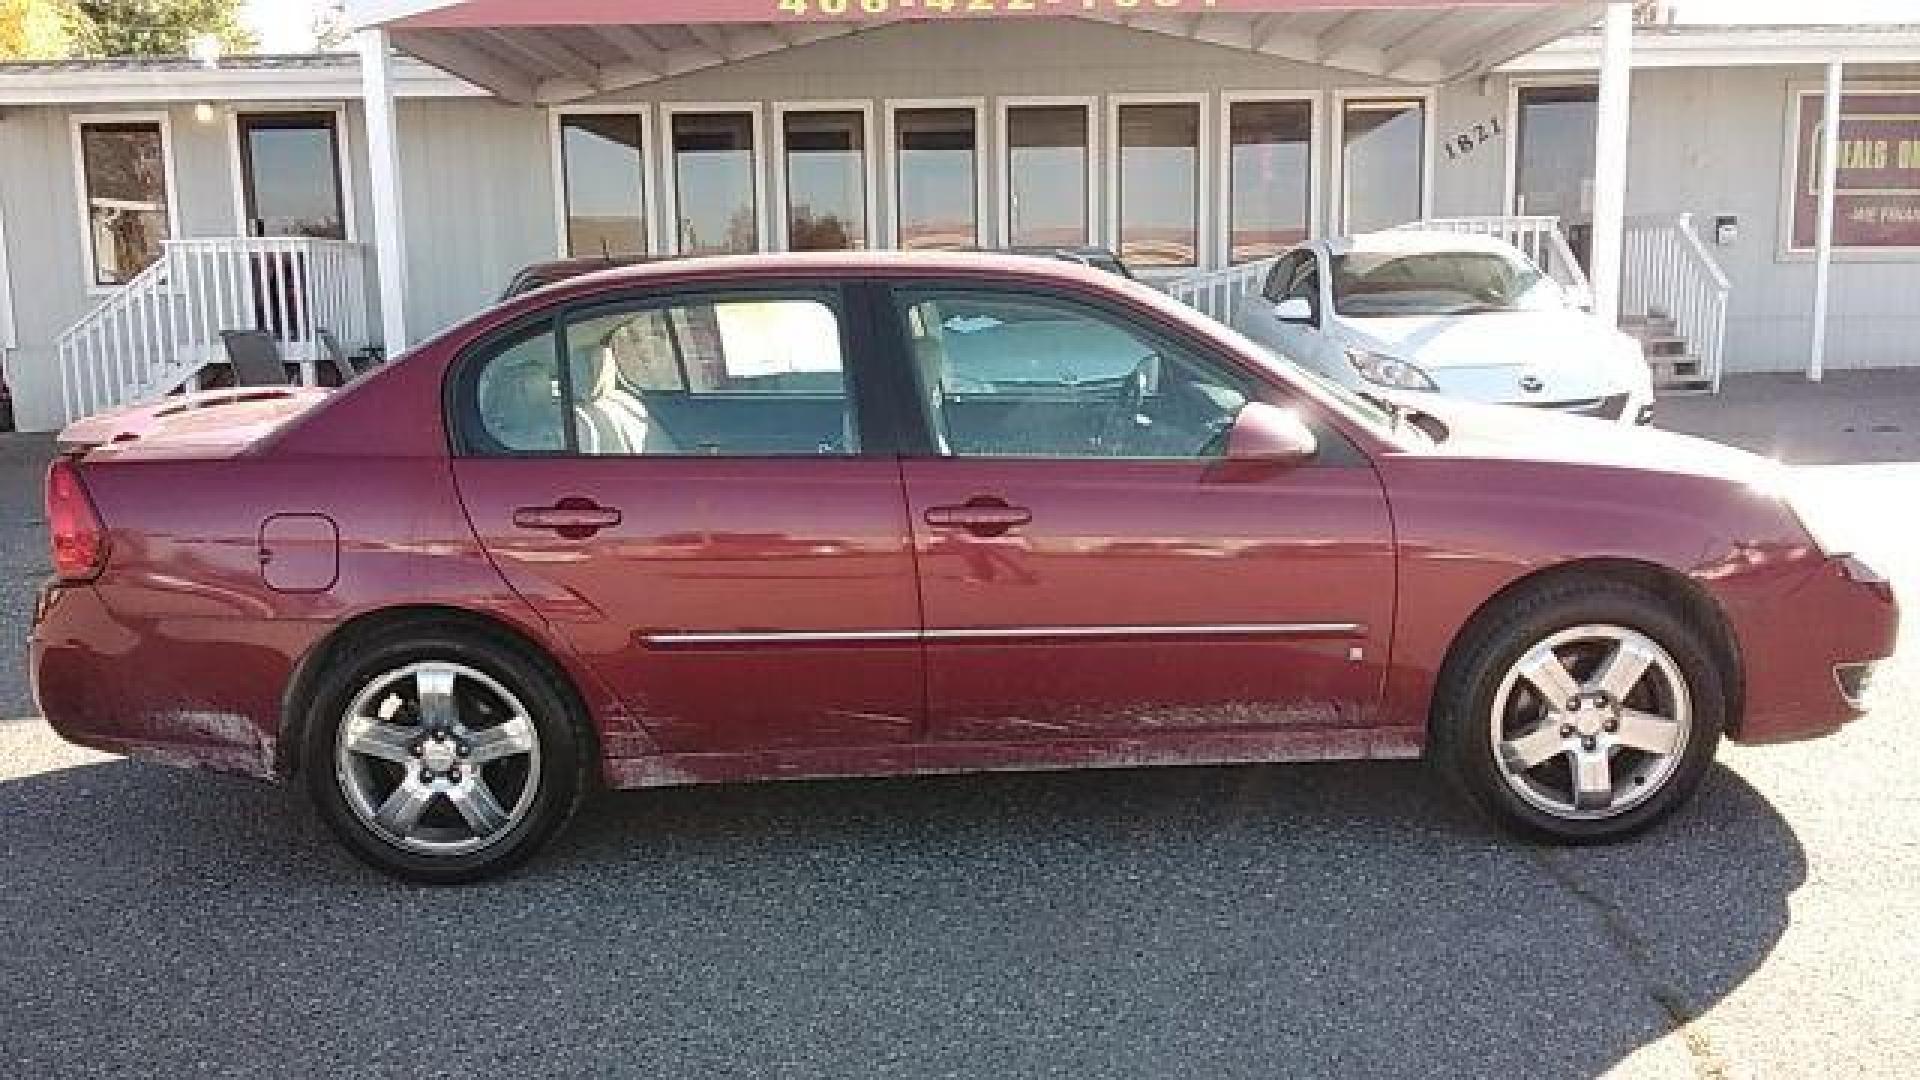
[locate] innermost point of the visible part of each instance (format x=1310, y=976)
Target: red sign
x=1877, y=196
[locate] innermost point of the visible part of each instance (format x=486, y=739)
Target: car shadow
x=1227, y=921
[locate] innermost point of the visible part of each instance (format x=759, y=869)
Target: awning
x=557, y=51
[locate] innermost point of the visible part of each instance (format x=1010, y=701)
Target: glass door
x=1554, y=169
x=290, y=175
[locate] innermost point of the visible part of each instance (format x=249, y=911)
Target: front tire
x=442, y=756
x=1580, y=712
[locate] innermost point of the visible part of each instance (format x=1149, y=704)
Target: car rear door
x=690, y=500
x=1089, y=567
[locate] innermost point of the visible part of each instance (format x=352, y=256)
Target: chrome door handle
x=983, y=516
x=575, y=519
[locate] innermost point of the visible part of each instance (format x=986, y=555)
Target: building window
x=716, y=198
x=1269, y=177
x=936, y=155
x=123, y=176
x=1382, y=163
x=1159, y=197
x=290, y=174
x=1048, y=155
x=603, y=170
x=826, y=178
x=1876, y=193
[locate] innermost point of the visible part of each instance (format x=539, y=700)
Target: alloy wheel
x=438, y=758
x=1591, y=722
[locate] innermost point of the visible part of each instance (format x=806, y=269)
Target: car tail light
x=79, y=539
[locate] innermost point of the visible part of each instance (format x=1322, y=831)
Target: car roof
x=1397, y=241
x=842, y=264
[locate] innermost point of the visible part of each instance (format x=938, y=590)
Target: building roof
x=336, y=75
x=1689, y=45
x=239, y=62
x=554, y=52
x=258, y=77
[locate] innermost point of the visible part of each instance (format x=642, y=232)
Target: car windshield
x=1393, y=283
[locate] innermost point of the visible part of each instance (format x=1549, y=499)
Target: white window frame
x=1003, y=159
x=869, y=165
x=983, y=163
x=669, y=243
x=342, y=150
x=1337, y=138
x=1510, y=200
x=75, y=125
x=649, y=173
x=1784, y=251
x=1204, y=256
x=1316, y=140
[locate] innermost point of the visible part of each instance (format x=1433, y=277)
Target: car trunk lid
x=209, y=424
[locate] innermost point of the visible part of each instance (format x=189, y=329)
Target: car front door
x=678, y=485
x=1088, y=566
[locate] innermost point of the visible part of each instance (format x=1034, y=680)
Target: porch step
x=1646, y=324
x=1678, y=373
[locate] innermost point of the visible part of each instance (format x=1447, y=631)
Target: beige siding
x=45, y=252
x=1713, y=142
x=45, y=241
x=477, y=192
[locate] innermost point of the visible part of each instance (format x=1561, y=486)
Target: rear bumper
x=1807, y=657
x=102, y=684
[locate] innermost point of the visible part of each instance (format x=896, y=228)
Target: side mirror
x=1270, y=435
x=1294, y=309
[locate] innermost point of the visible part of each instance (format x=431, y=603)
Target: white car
x=1396, y=314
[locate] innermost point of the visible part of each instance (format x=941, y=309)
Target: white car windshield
x=1390, y=283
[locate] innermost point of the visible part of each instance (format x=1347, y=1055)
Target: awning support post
x=383, y=157
x=1610, y=159
x=1823, y=243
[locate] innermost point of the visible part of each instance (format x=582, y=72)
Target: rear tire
x=441, y=755
x=1583, y=711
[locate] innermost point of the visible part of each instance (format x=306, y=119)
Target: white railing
x=1215, y=292
x=157, y=333
x=1538, y=235
x=1667, y=273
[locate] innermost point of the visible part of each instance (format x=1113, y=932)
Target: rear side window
x=517, y=396
x=745, y=376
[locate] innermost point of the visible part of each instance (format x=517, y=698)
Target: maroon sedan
x=860, y=515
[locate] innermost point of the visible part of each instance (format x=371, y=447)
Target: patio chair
x=255, y=358
x=336, y=358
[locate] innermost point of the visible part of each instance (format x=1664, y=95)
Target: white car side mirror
x=1293, y=309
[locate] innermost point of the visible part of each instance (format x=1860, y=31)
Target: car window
x=517, y=394
x=1279, y=277
x=733, y=377
x=1439, y=283
x=1306, y=280
x=747, y=376
x=1024, y=375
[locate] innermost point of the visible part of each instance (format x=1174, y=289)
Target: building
x=146, y=206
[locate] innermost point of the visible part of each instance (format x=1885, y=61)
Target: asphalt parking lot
x=1275, y=920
